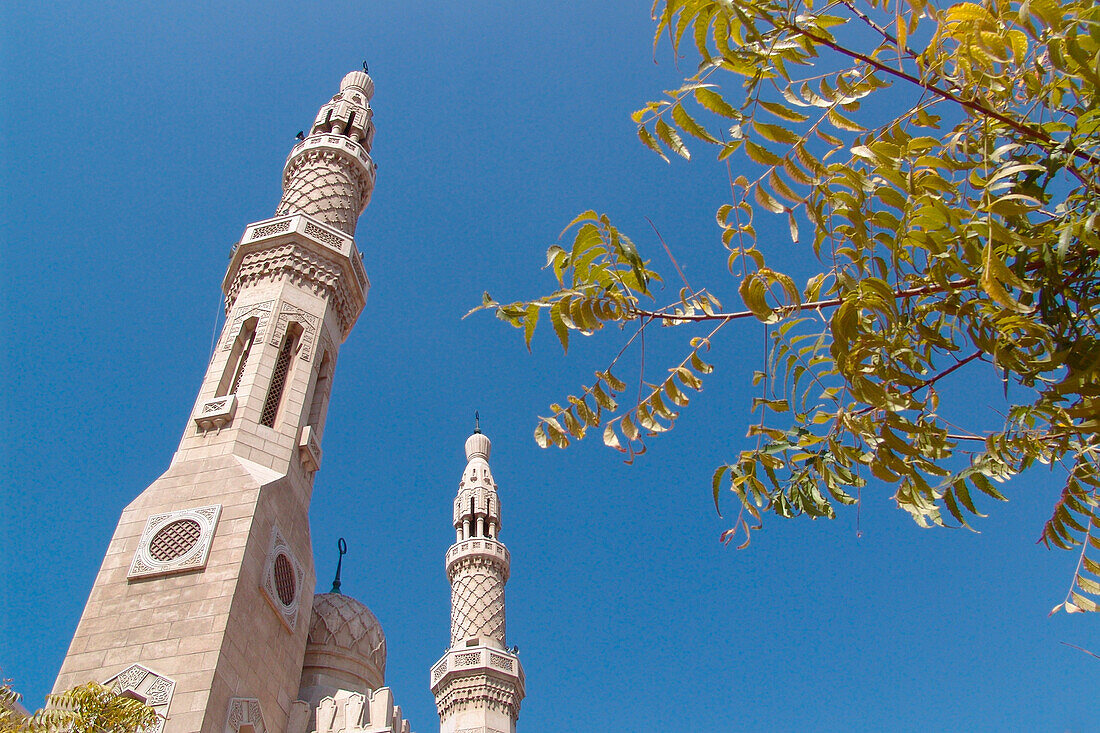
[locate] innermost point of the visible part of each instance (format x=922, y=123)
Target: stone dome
x=359, y=80
x=478, y=445
x=344, y=634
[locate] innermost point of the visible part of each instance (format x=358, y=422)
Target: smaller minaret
x=478, y=684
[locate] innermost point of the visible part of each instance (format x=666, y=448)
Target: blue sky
x=138, y=143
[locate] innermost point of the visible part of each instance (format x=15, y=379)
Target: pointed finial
x=343, y=548
x=365, y=66
x=477, y=422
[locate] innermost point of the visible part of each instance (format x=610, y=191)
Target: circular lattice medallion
x=285, y=585
x=175, y=540
x=283, y=580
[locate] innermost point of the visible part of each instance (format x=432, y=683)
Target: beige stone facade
x=479, y=683
x=204, y=606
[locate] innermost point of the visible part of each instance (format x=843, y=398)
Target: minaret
x=202, y=605
x=478, y=684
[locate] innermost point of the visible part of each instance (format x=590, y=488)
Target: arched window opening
x=238, y=358
x=473, y=518
x=279, y=375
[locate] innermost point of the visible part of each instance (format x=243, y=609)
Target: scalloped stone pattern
x=345, y=623
x=323, y=186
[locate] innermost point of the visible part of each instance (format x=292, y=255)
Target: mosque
x=204, y=606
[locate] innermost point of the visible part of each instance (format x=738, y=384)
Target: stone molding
x=145, y=564
x=262, y=312
x=244, y=711
x=287, y=611
x=479, y=553
x=479, y=690
x=306, y=253
x=145, y=684
x=306, y=320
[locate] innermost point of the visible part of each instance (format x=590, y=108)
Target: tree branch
x=1022, y=128
x=812, y=305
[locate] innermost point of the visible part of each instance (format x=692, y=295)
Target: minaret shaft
x=202, y=603
x=479, y=683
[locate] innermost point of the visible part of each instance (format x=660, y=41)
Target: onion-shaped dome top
x=359, y=80
x=478, y=445
x=344, y=626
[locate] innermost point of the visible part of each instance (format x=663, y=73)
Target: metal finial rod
x=365, y=67
x=477, y=422
x=343, y=548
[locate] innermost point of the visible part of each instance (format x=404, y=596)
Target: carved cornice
x=484, y=557
x=479, y=690
x=314, y=257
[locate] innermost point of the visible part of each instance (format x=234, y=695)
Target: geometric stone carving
x=481, y=685
x=244, y=714
x=308, y=322
x=477, y=596
x=282, y=580
x=261, y=311
x=174, y=542
x=151, y=688
x=215, y=412
x=342, y=624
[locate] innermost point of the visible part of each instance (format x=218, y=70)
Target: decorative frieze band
x=478, y=690
x=303, y=267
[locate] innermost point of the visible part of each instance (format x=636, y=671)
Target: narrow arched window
x=238, y=358
x=279, y=375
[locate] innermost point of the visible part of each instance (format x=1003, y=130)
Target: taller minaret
x=202, y=605
x=479, y=683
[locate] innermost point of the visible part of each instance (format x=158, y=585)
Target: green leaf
x=530, y=320
x=783, y=112
x=715, y=103
x=651, y=142
x=760, y=154
x=559, y=325
x=688, y=124
x=672, y=139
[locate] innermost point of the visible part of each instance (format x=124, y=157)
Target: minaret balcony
x=216, y=412
x=304, y=248
x=479, y=546
x=478, y=660
x=327, y=239
x=336, y=143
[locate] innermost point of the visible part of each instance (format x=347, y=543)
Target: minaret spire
x=479, y=683
x=330, y=175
